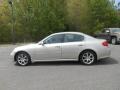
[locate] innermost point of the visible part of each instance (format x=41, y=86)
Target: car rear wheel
x=22, y=59
x=114, y=40
x=88, y=57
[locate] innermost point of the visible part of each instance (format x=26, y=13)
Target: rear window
x=73, y=38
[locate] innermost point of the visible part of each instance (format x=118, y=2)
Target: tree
x=35, y=19
x=77, y=15
x=5, y=31
x=102, y=15
x=39, y=18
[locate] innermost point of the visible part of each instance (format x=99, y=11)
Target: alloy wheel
x=113, y=41
x=88, y=58
x=22, y=59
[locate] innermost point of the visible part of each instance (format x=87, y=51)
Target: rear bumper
x=105, y=53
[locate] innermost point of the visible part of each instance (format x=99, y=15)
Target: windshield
x=115, y=30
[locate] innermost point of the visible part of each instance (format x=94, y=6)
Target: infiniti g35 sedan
x=70, y=46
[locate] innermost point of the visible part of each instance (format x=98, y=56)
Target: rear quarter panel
x=96, y=45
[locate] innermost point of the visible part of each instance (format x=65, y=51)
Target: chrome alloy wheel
x=88, y=58
x=113, y=41
x=22, y=59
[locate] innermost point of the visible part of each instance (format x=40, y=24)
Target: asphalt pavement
x=104, y=75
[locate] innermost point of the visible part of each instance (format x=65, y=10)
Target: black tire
x=114, y=40
x=88, y=61
x=22, y=59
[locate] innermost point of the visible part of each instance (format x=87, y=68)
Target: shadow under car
x=107, y=61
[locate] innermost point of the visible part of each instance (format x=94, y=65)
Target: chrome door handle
x=80, y=45
x=57, y=46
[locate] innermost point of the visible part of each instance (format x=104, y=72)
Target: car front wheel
x=114, y=41
x=88, y=57
x=22, y=59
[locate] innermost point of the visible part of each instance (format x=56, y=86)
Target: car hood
x=116, y=33
x=25, y=47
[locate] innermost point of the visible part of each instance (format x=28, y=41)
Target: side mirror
x=41, y=43
x=107, y=31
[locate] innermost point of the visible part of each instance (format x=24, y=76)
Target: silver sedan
x=63, y=46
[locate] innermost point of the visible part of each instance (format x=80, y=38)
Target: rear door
x=73, y=44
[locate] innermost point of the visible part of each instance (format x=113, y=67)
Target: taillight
x=105, y=43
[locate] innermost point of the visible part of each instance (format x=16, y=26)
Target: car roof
x=85, y=35
x=70, y=33
x=112, y=28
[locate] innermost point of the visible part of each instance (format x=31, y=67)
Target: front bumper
x=12, y=56
x=118, y=40
x=104, y=53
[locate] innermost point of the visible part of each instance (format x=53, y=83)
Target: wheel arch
x=87, y=50
x=20, y=52
x=113, y=36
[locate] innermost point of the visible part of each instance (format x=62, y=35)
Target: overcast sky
x=117, y=1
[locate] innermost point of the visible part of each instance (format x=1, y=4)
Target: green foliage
x=35, y=19
x=102, y=14
x=5, y=35
x=78, y=14
x=39, y=18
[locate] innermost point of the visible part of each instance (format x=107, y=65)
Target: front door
x=48, y=52
x=51, y=48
